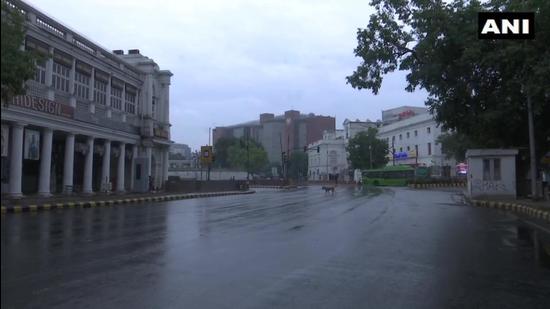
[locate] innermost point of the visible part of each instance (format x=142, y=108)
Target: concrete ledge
x=112, y=202
x=530, y=211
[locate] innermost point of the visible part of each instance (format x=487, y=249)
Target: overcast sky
x=235, y=59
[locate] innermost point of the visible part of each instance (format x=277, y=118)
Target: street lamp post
x=370, y=156
x=248, y=156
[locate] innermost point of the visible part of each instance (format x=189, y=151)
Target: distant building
x=413, y=140
x=352, y=128
x=180, y=151
x=284, y=133
x=180, y=157
x=328, y=157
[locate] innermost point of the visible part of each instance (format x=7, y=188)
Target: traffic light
x=318, y=149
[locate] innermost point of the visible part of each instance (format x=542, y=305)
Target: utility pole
x=328, y=174
x=248, y=154
x=393, y=151
x=533, y=156
x=370, y=156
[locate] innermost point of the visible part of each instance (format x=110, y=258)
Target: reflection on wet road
x=393, y=248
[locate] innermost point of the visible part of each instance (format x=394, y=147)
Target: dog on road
x=328, y=189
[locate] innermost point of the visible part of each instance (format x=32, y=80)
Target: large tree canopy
x=362, y=145
x=220, y=149
x=17, y=66
x=477, y=88
x=247, y=155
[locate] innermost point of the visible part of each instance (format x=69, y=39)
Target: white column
x=108, y=100
x=149, y=95
x=16, y=160
x=123, y=104
x=69, y=164
x=165, y=165
x=166, y=103
x=49, y=75
x=72, y=76
x=120, y=168
x=45, y=163
x=92, y=85
x=88, y=167
x=133, y=167
x=91, y=93
x=106, y=167
x=149, y=156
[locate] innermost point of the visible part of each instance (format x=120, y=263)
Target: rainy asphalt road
x=397, y=248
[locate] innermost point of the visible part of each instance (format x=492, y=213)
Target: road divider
x=112, y=202
x=543, y=214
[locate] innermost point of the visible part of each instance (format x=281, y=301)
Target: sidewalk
x=534, y=209
x=60, y=202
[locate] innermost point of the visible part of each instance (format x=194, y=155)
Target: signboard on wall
x=32, y=145
x=5, y=140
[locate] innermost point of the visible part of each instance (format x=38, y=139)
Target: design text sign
x=43, y=105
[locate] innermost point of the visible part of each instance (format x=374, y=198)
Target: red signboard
x=406, y=114
x=44, y=106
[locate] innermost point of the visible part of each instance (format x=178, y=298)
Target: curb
x=113, y=202
x=514, y=207
x=436, y=185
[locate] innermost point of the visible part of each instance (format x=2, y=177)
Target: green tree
x=298, y=165
x=17, y=66
x=475, y=87
x=454, y=145
x=220, y=150
x=240, y=156
x=362, y=145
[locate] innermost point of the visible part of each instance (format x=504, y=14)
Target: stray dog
x=328, y=189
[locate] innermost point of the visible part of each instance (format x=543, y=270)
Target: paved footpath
x=37, y=203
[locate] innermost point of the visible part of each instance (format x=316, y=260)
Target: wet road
x=397, y=248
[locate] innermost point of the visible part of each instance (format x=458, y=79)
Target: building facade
x=280, y=134
x=413, y=141
x=328, y=157
x=91, y=120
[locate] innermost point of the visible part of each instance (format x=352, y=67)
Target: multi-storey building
x=280, y=134
x=91, y=120
x=328, y=158
x=413, y=141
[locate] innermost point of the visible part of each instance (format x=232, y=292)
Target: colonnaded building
x=91, y=120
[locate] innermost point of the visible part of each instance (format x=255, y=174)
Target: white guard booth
x=491, y=173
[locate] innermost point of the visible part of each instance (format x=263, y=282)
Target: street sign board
x=206, y=155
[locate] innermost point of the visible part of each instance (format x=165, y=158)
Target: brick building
x=289, y=132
